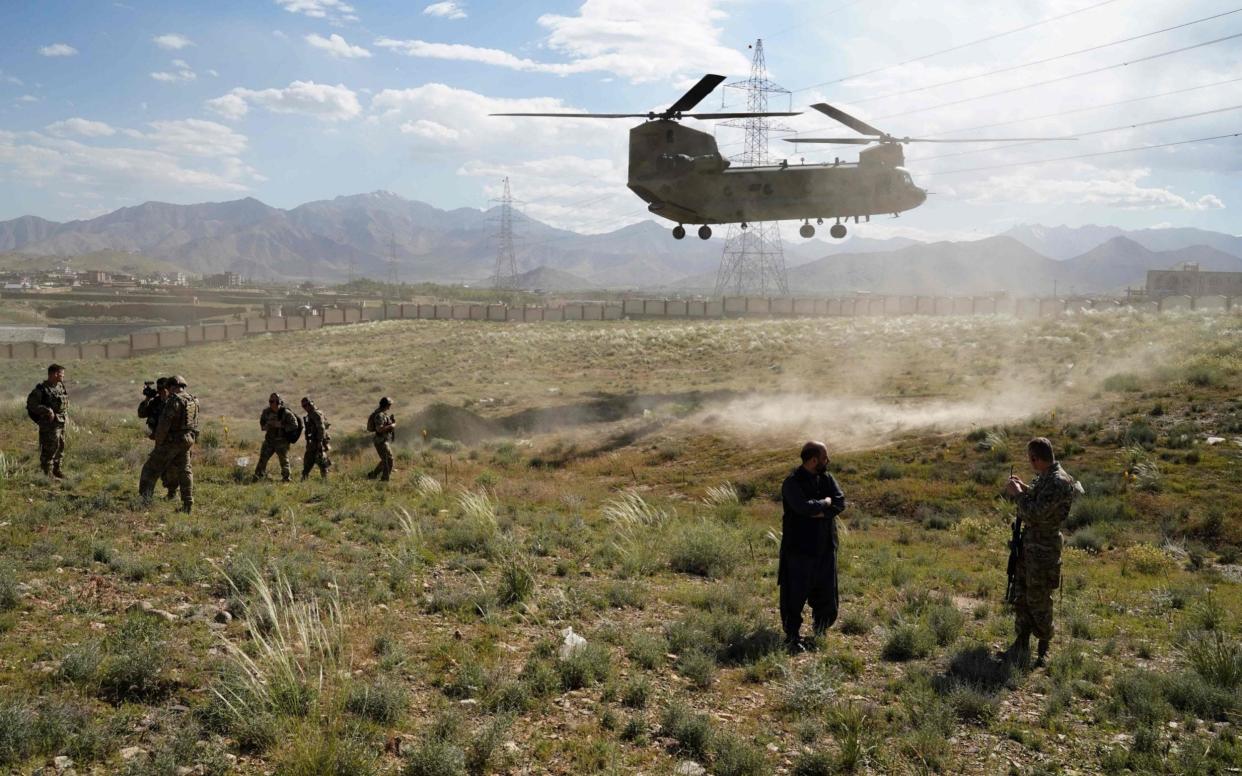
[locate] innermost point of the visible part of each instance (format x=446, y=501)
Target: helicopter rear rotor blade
x=736, y=115
x=706, y=85
x=834, y=140
x=982, y=139
x=858, y=125
x=582, y=115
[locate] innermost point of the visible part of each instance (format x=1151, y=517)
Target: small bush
x=907, y=642
x=483, y=745
x=704, y=549
x=330, y=753
x=971, y=704
x=134, y=658
x=1140, y=433
x=383, y=701
x=1147, y=559
x=698, y=667
x=1124, y=382
x=1203, y=376
x=1216, y=658
x=855, y=624
x=1139, y=695
x=946, y=623
x=692, y=731
x=814, y=764
x=735, y=757
x=808, y=689
x=517, y=583
x=434, y=756
x=1092, y=509
x=8, y=588
x=1087, y=539
x=647, y=651
x=975, y=667
x=888, y=471
x=636, y=693
x=585, y=666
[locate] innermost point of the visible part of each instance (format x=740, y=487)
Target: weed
x=1146, y=559
x=691, y=731
x=1124, y=382
x=647, y=650
x=483, y=745
x=636, y=693
x=946, y=623
x=328, y=753
x=733, y=756
x=907, y=642
x=1090, y=510
x=814, y=764
x=1217, y=658
x=132, y=666
x=8, y=588
x=971, y=704
x=585, y=666
x=699, y=667
x=808, y=689
x=855, y=623
x=1087, y=539
x=517, y=582
x=382, y=701
x=888, y=471
x=434, y=756
x=704, y=549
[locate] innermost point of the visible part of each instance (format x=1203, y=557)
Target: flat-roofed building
x=1189, y=280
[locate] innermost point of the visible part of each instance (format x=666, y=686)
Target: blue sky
x=106, y=104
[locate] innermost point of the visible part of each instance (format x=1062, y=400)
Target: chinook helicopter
x=683, y=177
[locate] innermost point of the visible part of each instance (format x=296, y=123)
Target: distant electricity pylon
x=505, y=274
x=393, y=279
x=754, y=260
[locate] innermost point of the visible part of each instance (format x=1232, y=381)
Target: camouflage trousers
x=315, y=456
x=383, y=469
x=1039, y=577
x=280, y=449
x=170, y=460
x=51, y=447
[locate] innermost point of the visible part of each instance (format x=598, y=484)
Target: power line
x=1060, y=79
x=1122, y=128
x=1091, y=155
x=1045, y=60
x=951, y=49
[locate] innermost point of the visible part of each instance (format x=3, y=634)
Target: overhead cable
x=1089, y=156
x=959, y=47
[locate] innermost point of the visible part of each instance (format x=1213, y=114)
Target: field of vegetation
x=620, y=480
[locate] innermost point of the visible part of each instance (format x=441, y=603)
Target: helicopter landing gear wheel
x=837, y=231
x=745, y=225
x=679, y=232
x=705, y=232
x=806, y=230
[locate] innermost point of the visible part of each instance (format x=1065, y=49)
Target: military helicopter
x=683, y=177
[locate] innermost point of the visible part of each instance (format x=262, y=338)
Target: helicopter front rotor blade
x=981, y=139
x=835, y=140
x=581, y=115
x=735, y=115
x=706, y=85
x=858, y=125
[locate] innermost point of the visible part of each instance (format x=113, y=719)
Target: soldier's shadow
x=974, y=681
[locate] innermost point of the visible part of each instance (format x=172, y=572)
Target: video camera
x=147, y=389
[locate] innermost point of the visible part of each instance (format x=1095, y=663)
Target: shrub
x=327, y=753
x=888, y=471
x=1123, y=382
x=808, y=689
x=434, y=756
x=382, y=701
x=1203, y=376
x=636, y=693
x=1147, y=559
x=907, y=642
x=481, y=750
x=8, y=588
x=1140, y=433
x=698, y=667
x=1216, y=658
x=1091, y=509
x=855, y=624
x=1139, y=695
x=975, y=667
x=814, y=764
x=134, y=658
x=585, y=666
x=647, y=651
x=946, y=623
x=704, y=549
x=517, y=583
x=735, y=757
x=692, y=731
x=971, y=704
x=16, y=722
x=1087, y=539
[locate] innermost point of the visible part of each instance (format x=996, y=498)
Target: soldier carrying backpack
x=175, y=434
x=281, y=428
x=48, y=405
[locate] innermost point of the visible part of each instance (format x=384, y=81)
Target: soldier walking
x=279, y=423
x=318, y=443
x=1043, y=507
x=48, y=405
x=175, y=434
x=381, y=423
x=149, y=410
x=808, y=556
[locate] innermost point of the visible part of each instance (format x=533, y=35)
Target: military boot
x=172, y=494
x=1041, y=652
x=1020, y=651
x=187, y=507
x=57, y=473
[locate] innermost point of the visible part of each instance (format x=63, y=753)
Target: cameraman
x=152, y=406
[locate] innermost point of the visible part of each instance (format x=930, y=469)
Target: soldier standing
x=381, y=423
x=808, y=557
x=1043, y=507
x=175, y=434
x=48, y=405
x=149, y=410
x=317, y=440
x=278, y=423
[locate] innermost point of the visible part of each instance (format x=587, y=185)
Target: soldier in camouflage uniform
x=381, y=423
x=1043, y=507
x=48, y=405
x=150, y=410
x=317, y=440
x=175, y=434
x=277, y=422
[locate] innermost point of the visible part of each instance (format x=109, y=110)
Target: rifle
x=1015, y=546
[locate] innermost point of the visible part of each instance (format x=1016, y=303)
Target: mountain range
x=361, y=234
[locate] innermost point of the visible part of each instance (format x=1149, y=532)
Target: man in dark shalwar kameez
x=808, y=561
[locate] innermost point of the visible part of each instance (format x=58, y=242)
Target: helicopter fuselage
x=683, y=177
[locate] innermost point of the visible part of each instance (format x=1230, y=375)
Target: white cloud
x=27, y=98
x=181, y=72
x=337, y=46
x=449, y=9
x=332, y=10
x=640, y=40
x=83, y=127
x=1085, y=186
x=58, y=50
x=326, y=102
x=195, y=137
x=11, y=79
x=172, y=41
x=568, y=191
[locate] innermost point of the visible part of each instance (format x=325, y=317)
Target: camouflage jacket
x=276, y=425
x=178, y=420
x=1045, y=506
x=49, y=397
x=378, y=420
x=316, y=429
x=151, y=409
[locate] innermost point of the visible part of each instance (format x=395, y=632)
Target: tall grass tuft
x=295, y=653
x=630, y=512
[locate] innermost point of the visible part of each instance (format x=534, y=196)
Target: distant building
x=95, y=277
x=1188, y=280
x=223, y=280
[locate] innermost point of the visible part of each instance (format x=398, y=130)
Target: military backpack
x=294, y=434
